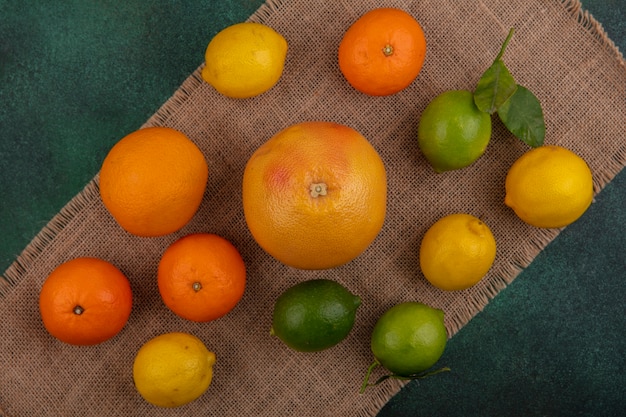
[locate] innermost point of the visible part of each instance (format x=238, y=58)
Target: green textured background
x=76, y=76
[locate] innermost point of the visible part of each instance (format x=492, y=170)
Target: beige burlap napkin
x=558, y=52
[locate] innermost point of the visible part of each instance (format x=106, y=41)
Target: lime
x=457, y=251
x=173, y=369
x=314, y=315
x=409, y=338
x=453, y=133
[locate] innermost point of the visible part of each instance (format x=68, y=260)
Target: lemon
x=314, y=315
x=452, y=132
x=245, y=60
x=173, y=369
x=549, y=186
x=457, y=251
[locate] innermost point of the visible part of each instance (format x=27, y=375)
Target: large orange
x=314, y=195
x=153, y=180
x=85, y=301
x=201, y=277
x=382, y=52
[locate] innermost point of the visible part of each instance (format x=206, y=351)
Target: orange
x=85, y=301
x=201, y=277
x=315, y=194
x=153, y=180
x=382, y=52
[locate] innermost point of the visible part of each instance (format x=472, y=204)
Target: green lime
x=314, y=315
x=453, y=133
x=409, y=338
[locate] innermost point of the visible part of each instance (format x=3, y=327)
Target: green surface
x=75, y=77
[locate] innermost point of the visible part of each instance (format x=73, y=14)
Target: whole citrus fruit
x=85, y=301
x=152, y=181
x=173, y=369
x=315, y=194
x=201, y=277
x=245, y=60
x=452, y=132
x=457, y=251
x=314, y=315
x=549, y=186
x=409, y=338
x=382, y=52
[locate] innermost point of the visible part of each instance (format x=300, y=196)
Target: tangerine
x=201, y=277
x=152, y=181
x=315, y=194
x=382, y=52
x=85, y=301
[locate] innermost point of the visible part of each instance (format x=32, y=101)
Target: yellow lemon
x=457, y=251
x=549, y=186
x=245, y=60
x=173, y=369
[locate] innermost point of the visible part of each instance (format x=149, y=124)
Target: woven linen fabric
x=558, y=51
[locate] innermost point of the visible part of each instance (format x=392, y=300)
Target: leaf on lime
x=522, y=115
x=518, y=108
x=494, y=88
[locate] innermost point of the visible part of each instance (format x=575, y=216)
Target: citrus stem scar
x=196, y=286
x=388, y=50
x=318, y=189
x=78, y=310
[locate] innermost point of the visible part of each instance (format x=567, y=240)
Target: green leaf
x=494, y=88
x=523, y=116
x=496, y=85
